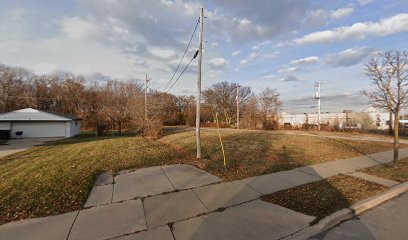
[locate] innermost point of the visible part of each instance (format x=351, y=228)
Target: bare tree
x=269, y=105
x=14, y=90
x=388, y=73
x=250, y=113
x=120, y=96
x=222, y=98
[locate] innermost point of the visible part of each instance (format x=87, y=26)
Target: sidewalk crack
x=200, y=200
x=72, y=225
x=167, y=178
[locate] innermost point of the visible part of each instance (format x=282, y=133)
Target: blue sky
x=287, y=45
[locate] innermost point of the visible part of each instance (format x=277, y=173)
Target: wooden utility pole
x=198, y=100
x=238, y=106
x=146, y=111
x=318, y=104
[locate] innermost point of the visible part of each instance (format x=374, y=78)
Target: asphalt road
x=387, y=221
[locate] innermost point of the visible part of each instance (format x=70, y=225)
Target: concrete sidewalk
x=183, y=202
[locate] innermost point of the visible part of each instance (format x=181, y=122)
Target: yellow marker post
x=222, y=145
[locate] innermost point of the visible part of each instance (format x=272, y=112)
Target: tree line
x=115, y=105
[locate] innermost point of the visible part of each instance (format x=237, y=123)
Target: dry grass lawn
x=399, y=173
x=251, y=153
x=57, y=177
x=325, y=197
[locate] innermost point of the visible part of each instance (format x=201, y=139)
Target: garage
x=32, y=123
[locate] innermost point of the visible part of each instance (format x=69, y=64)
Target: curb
x=347, y=213
x=371, y=202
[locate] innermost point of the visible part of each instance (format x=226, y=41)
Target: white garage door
x=38, y=129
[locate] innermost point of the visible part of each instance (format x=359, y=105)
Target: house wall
x=5, y=126
x=38, y=129
x=75, y=128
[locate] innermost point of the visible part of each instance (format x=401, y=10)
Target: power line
x=195, y=55
x=185, y=51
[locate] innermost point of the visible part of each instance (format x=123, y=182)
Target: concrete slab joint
x=184, y=176
x=253, y=220
x=109, y=221
x=100, y=195
x=141, y=183
x=163, y=209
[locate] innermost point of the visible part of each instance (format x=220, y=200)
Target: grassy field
x=255, y=153
x=399, y=173
x=325, y=197
x=57, y=177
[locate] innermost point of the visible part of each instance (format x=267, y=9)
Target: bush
x=270, y=125
x=153, y=129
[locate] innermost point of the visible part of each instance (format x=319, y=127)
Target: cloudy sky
x=287, y=45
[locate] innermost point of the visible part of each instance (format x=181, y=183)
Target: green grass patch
x=398, y=173
x=57, y=177
x=325, y=197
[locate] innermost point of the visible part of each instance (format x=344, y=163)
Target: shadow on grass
x=87, y=136
x=355, y=149
x=170, y=130
x=254, y=153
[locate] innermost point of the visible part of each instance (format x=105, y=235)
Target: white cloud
x=365, y=2
x=244, y=22
x=342, y=12
x=320, y=17
x=252, y=56
x=167, y=2
x=261, y=45
x=162, y=52
x=45, y=57
x=289, y=78
x=387, y=26
x=78, y=28
x=349, y=56
x=218, y=62
x=235, y=53
x=288, y=69
x=317, y=17
x=306, y=60
x=270, y=76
